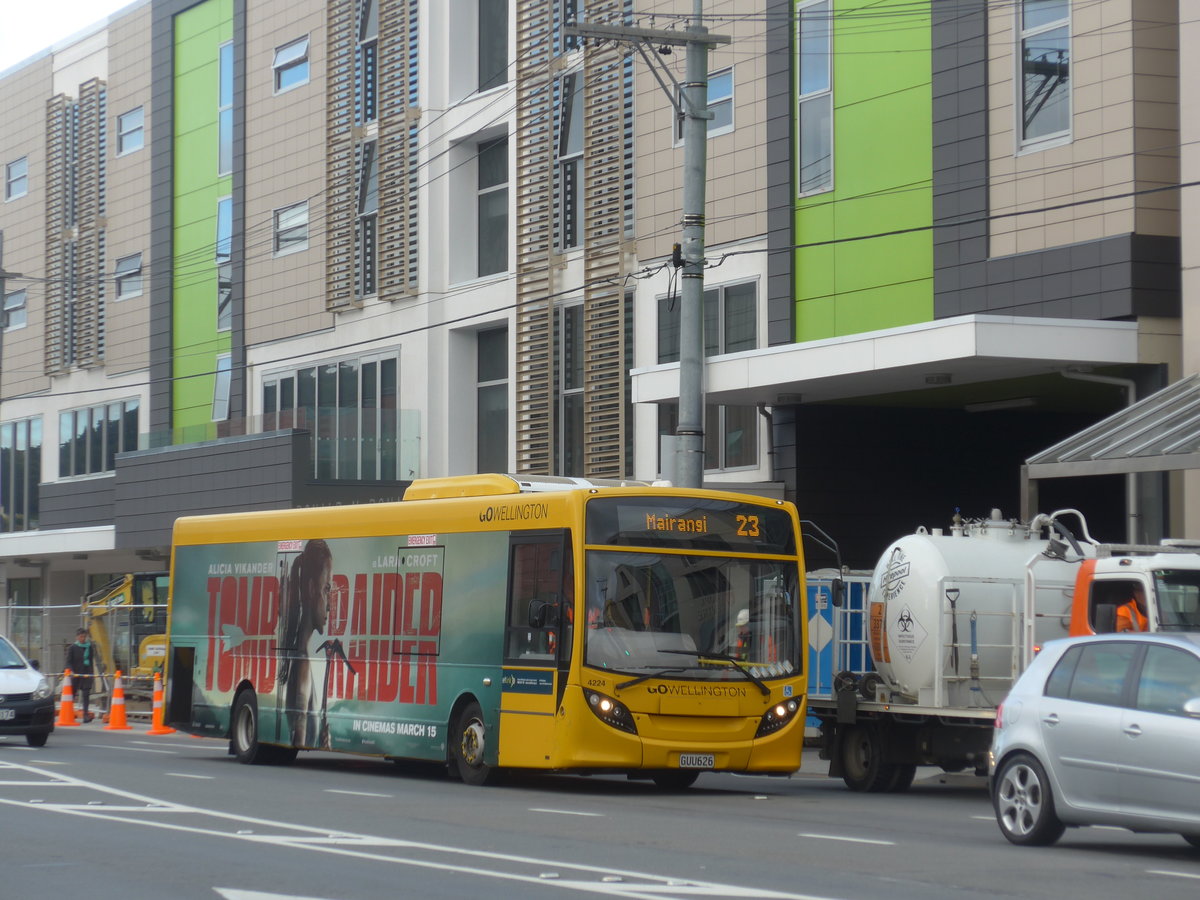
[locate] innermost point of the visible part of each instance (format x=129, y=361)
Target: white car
x=26, y=699
x=1101, y=730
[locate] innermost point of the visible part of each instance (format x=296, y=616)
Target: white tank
x=927, y=588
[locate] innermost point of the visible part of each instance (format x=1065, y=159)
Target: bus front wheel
x=675, y=779
x=470, y=743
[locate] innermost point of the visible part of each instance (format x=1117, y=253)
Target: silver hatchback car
x=1101, y=730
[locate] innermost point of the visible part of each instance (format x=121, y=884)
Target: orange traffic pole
x=116, y=708
x=66, y=706
x=156, y=720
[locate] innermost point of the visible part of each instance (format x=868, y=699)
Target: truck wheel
x=1024, y=803
x=863, y=768
x=243, y=731
x=469, y=739
x=902, y=778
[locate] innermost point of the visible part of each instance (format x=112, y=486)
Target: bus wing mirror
x=539, y=613
x=838, y=590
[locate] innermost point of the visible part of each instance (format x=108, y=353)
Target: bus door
x=538, y=635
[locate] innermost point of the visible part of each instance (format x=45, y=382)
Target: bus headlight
x=610, y=712
x=776, y=717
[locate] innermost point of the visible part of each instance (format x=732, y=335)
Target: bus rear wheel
x=470, y=744
x=243, y=730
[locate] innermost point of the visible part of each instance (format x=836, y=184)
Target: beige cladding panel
x=128, y=187
x=285, y=164
x=1124, y=132
x=660, y=159
x=23, y=96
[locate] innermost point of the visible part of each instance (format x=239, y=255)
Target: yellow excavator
x=127, y=621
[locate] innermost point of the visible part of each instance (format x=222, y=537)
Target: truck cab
x=1169, y=578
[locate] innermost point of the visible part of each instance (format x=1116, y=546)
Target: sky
x=30, y=26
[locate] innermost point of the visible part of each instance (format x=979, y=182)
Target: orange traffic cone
x=116, y=707
x=66, y=706
x=156, y=720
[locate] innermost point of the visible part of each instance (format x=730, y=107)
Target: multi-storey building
x=301, y=253
x=962, y=222
x=295, y=254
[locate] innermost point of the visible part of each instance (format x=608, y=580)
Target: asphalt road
x=119, y=814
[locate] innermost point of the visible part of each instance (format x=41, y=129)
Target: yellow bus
x=499, y=622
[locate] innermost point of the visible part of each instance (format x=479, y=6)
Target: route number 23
x=747, y=526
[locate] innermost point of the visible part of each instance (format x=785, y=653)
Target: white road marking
x=36, y=784
x=198, y=744
x=235, y=894
x=852, y=840
x=1171, y=874
x=565, y=812
x=631, y=884
x=357, y=793
x=130, y=749
x=188, y=775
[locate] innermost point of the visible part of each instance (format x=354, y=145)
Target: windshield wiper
x=725, y=657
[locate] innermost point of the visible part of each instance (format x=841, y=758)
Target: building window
x=493, y=207
x=291, y=65
x=730, y=434
x=27, y=612
x=225, y=111
x=493, y=44
x=570, y=160
x=1045, y=75
x=20, y=474
x=569, y=13
x=720, y=104
x=14, y=310
x=368, y=215
x=349, y=407
x=815, y=91
x=16, y=179
x=220, y=407
x=368, y=61
x=128, y=276
x=90, y=439
x=291, y=228
x=730, y=326
x=491, y=394
x=130, y=131
x=224, y=254
x=569, y=384
x=730, y=321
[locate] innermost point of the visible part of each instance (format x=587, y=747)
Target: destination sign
x=702, y=524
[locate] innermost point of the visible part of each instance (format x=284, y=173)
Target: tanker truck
x=951, y=617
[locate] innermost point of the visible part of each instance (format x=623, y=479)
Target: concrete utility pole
x=690, y=101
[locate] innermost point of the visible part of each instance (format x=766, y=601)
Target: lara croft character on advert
x=304, y=611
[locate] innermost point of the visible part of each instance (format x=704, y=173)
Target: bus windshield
x=1178, y=593
x=648, y=611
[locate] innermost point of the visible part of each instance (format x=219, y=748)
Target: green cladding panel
x=850, y=276
x=199, y=33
